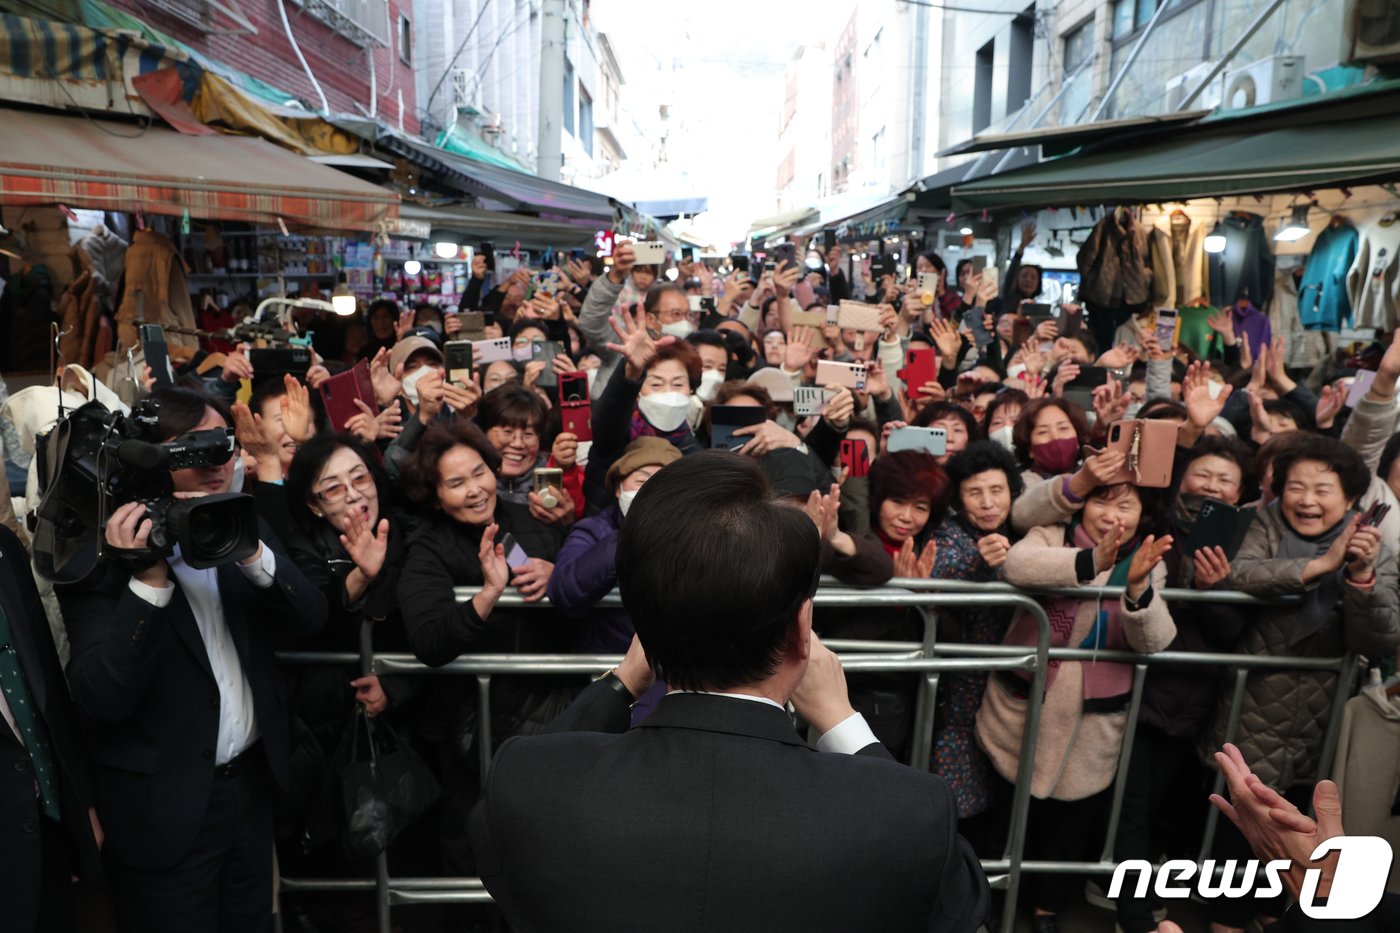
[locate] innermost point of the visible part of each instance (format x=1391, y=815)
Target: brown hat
x=644, y=451
x=409, y=346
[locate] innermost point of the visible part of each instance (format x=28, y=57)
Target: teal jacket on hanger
x=1323, y=303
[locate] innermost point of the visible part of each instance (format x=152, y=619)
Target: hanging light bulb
x=412, y=267
x=966, y=231
x=1215, y=242
x=446, y=249
x=1297, y=226
x=343, y=300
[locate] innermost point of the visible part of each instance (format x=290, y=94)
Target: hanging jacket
x=155, y=272
x=106, y=257
x=79, y=310
x=1252, y=325
x=1246, y=267
x=1373, y=282
x=1113, y=263
x=1188, y=251
x=1163, y=268
x=26, y=309
x=1323, y=303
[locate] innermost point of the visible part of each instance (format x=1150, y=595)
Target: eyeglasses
x=524, y=435
x=336, y=492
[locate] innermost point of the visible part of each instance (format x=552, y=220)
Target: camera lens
x=215, y=530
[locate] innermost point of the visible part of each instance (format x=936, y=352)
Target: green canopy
x=1204, y=161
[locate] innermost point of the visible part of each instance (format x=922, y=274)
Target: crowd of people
x=203, y=750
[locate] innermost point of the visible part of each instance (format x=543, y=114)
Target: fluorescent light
x=1297, y=226
x=446, y=250
x=966, y=231
x=412, y=267
x=1215, y=242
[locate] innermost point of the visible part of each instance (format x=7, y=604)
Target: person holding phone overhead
x=455, y=473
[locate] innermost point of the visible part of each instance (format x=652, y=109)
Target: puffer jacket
x=1113, y=263
x=1077, y=748
x=1285, y=713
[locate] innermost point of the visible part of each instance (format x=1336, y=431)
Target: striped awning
x=53, y=158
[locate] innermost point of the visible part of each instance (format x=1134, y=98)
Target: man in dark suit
x=47, y=823
x=174, y=668
x=713, y=814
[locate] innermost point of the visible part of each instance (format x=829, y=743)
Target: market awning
x=779, y=224
x=48, y=158
x=1204, y=162
x=502, y=228
x=1058, y=139
x=851, y=213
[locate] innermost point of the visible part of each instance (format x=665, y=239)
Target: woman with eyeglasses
x=515, y=421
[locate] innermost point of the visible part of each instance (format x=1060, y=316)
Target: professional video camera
x=96, y=460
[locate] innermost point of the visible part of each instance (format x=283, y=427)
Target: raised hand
x=252, y=437
x=1063, y=376
x=824, y=511
x=637, y=346
x=1201, y=409
x=1148, y=555
x=839, y=409
x=800, y=349
x=624, y=257
x=296, y=410
x=765, y=438
x=431, y=396
x=366, y=548
x=1223, y=323
x=565, y=450
x=1330, y=403
x=948, y=341
x=1362, y=552
x=1106, y=551
x=405, y=323
x=1120, y=357
x=560, y=515
x=915, y=566
x=365, y=424
x=386, y=387
x=237, y=365
x=495, y=572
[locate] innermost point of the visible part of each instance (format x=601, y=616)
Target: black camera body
x=95, y=461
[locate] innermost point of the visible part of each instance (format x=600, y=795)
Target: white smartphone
x=491, y=351
x=926, y=440
x=808, y=400
x=1166, y=328
x=649, y=252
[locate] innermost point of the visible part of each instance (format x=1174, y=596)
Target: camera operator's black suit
x=713, y=814
x=142, y=677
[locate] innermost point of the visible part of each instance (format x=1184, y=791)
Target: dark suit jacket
x=20, y=859
x=713, y=815
x=141, y=677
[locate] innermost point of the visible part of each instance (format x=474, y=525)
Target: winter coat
x=612, y=432
x=593, y=322
x=1159, y=247
x=1113, y=263
x=1187, y=240
x=1373, y=282
x=956, y=757
x=26, y=310
x=1323, y=303
x=105, y=254
x=1077, y=748
x=79, y=310
x=1246, y=268
x=586, y=571
x=1285, y=713
x=156, y=272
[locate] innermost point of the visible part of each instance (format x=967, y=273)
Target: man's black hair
x=180, y=409
x=714, y=570
x=708, y=338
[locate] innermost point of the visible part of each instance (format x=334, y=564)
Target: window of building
x=1079, y=44
x=982, y=87
x=405, y=40
x=1131, y=15
x=568, y=95
x=1018, y=64
x=585, y=121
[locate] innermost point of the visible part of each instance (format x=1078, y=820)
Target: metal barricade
x=929, y=658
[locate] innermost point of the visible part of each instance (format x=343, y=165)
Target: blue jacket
x=584, y=572
x=1323, y=303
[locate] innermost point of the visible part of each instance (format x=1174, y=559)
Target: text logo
x=1358, y=882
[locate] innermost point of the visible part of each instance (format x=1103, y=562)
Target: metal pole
x=483, y=724
x=1232, y=724
x=1021, y=798
x=381, y=861
x=1128, y=63
x=1219, y=66
x=1346, y=680
x=1120, y=783
x=921, y=748
x=550, y=142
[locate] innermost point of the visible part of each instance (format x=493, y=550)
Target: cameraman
x=173, y=668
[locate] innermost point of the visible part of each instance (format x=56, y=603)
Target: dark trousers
x=224, y=883
x=1062, y=831
x=1165, y=785
x=56, y=914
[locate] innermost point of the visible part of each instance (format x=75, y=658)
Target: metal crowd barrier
x=929, y=658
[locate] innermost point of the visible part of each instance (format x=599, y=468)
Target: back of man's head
x=714, y=570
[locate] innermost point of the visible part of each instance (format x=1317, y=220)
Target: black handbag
x=377, y=789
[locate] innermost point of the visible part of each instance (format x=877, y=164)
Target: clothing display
x=1113, y=262
x=1159, y=249
x=1323, y=303
x=79, y=312
x=1305, y=348
x=1373, y=282
x=1187, y=240
x=106, y=257
x=26, y=310
x=1192, y=331
x=155, y=292
x=1252, y=326
x=1245, y=269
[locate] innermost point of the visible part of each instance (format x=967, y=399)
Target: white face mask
x=1015, y=371
x=1002, y=436
x=710, y=381
x=665, y=411
x=1132, y=410
x=410, y=383
x=679, y=329
x=624, y=499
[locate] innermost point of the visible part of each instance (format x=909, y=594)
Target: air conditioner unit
x=1373, y=28
x=1186, y=82
x=466, y=91
x=1267, y=81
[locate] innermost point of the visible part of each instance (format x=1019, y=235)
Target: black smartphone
x=725, y=419
x=458, y=354
x=1090, y=377
x=828, y=240
x=279, y=361
x=1219, y=524
x=687, y=254
x=546, y=350
x=1038, y=311
x=786, y=253
x=157, y=353
x=577, y=254
x=882, y=266
x=488, y=249
x=740, y=262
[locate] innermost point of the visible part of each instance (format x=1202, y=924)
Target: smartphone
x=1166, y=328
x=544, y=478
x=515, y=554
x=784, y=254
x=828, y=241
x=807, y=400
x=1149, y=446
x=695, y=303
x=740, y=262
x=707, y=305
x=687, y=254
x=280, y=361
x=833, y=314
x=882, y=266
x=340, y=392
x=978, y=264
x=157, y=353
x=577, y=255
x=546, y=350
x=928, y=282
x=850, y=375
x=857, y=315
x=459, y=361
x=725, y=419
x=1360, y=385
x=1376, y=514
x=473, y=325
x=1038, y=311
x=1090, y=377
x=649, y=252
x=492, y=351
x=855, y=457
x=575, y=409
x=1219, y=524
x=926, y=440
x=920, y=368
